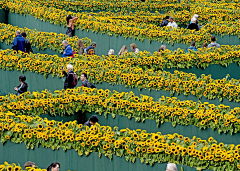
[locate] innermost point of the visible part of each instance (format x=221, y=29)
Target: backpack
x=75, y=79
x=73, y=54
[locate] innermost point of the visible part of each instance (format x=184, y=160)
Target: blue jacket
x=68, y=51
x=191, y=48
x=18, y=43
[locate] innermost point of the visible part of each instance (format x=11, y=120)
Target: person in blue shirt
x=18, y=42
x=192, y=47
x=68, y=50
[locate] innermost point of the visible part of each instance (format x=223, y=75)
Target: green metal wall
x=37, y=82
x=70, y=160
x=3, y=16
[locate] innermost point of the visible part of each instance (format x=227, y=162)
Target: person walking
x=192, y=47
x=165, y=22
x=71, y=78
x=123, y=50
x=134, y=48
x=92, y=121
x=172, y=23
x=28, y=47
x=80, y=46
x=90, y=49
x=213, y=43
x=22, y=88
x=70, y=25
x=18, y=42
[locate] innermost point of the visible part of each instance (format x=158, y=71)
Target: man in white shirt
x=172, y=23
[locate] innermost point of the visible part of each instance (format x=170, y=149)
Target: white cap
x=172, y=167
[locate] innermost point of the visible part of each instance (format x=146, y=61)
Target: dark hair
x=93, y=118
x=22, y=78
x=204, y=45
x=84, y=74
x=54, y=164
x=192, y=43
x=68, y=18
x=24, y=34
x=167, y=17
x=213, y=38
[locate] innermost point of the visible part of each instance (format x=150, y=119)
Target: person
x=29, y=164
x=171, y=167
x=90, y=49
x=92, y=121
x=193, y=25
x=18, y=42
x=55, y=166
x=28, y=47
x=22, y=88
x=165, y=22
x=134, y=48
x=192, y=47
x=213, y=43
x=71, y=78
x=85, y=82
x=123, y=50
x=172, y=23
x=90, y=15
x=80, y=46
x=68, y=50
x=204, y=45
x=111, y=52
x=162, y=48
x=70, y=25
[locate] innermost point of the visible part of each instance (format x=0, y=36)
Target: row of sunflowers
x=114, y=72
x=165, y=59
x=16, y=167
x=113, y=26
x=132, y=144
x=165, y=109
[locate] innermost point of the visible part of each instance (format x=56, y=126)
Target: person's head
x=22, y=78
x=204, y=45
x=90, y=15
x=83, y=76
x=65, y=43
x=29, y=164
x=167, y=18
x=93, y=44
x=162, y=48
x=193, y=43
x=18, y=32
x=213, y=39
x=133, y=46
x=171, y=167
x=69, y=67
x=171, y=19
x=24, y=34
x=55, y=166
x=123, y=50
x=194, y=20
x=69, y=17
x=93, y=120
x=195, y=16
x=111, y=52
x=80, y=44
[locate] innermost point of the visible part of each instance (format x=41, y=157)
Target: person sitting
x=80, y=46
x=134, y=48
x=22, y=88
x=18, y=42
x=192, y=47
x=29, y=164
x=165, y=22
x=90, y=49
x=28, y=47
x=68, y=50
x=92, y=121
x=213, y=43
x=172, y=23
x=193, y=25
x=123, y=50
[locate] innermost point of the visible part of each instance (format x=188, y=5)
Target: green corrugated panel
x=4, y=16
x=37, y=82
x=70, y=160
